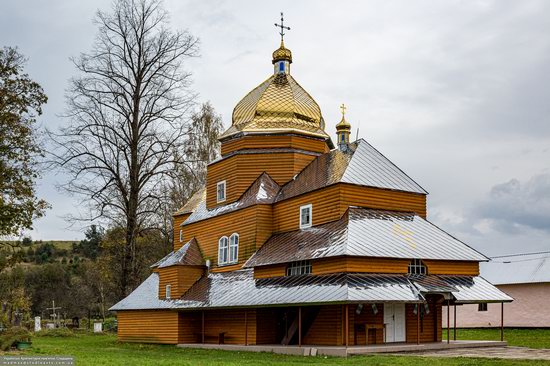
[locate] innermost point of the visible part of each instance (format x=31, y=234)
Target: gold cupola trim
x=343, y=129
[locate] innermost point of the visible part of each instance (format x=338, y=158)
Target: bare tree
x=127, y=110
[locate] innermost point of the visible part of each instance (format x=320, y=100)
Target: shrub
x=56, y=332
x=110, y=325
x=13, y=335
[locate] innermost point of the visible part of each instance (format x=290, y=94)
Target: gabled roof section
x=359, y=164
x=189, y=254
x=262, y=191
x=192, y=203
x=366, y=233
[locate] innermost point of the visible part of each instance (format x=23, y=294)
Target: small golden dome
x=282, y=54
x=343, y=125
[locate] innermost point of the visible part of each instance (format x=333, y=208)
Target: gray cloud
x=513, y=205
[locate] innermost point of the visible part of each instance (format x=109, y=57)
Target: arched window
x=223, y=249
x=234, y=248
x=416, y=267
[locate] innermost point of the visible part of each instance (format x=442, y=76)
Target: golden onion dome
x=343, y=125
x=278, y=105
x=282, y=53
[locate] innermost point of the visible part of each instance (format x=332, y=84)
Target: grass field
x=105, y=350
x=532, y=338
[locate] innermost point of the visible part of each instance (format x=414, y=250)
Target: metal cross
x=282, y=26
x=343, y=109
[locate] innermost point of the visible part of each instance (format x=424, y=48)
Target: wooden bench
x=374, y=327
x=220, y=337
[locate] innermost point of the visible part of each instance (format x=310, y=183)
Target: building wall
x=149, y=326
x=253, y=224
x=529, y=309
x=371, y=265
x=281, y=166
x=180, y=278
x=275, y=142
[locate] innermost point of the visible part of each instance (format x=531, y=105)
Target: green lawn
x=105, y=350
x=533, y=338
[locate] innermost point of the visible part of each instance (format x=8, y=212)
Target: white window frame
x=417, y=267
x=310, y=208
x=298, y=268
x=222, y=183
x=223, y=250
x=181, y=235
x=233, y=248
x=168, y=292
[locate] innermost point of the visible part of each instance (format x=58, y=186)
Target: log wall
x=281, y=166
x=148, y=326
x=180, y=278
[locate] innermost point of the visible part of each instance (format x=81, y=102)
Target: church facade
x=296, y=241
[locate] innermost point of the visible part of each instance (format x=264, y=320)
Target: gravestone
x=50, y=326
x=37, y=324
x=98, y=327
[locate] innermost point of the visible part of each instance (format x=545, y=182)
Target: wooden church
x=295, y=241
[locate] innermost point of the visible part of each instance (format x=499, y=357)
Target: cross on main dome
x=279, y=104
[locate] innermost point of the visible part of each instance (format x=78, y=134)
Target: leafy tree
x=21, y=101
x=90, y=246
x=127, y=110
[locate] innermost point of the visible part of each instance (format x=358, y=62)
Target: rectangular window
x=305, y=216
x=482, y=307
x=168, y=291
x=181, y=234
x=220, y=191
x=298, y=268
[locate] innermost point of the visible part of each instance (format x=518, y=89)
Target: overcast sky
x=456, y=93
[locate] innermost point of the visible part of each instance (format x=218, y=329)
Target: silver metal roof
x=368, y=167
x=145, y=296
x=188, y=254
x=241, y=289
x=516, y=269
x=262, y=191
x=366, y=233
x=475, y=290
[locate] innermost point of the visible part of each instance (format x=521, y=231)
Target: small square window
x=181, y=234
x=168, y=291
x=305, y=216
x=482, y=307
x=220, y=191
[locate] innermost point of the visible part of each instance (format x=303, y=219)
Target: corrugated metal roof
x=475, y=290
x=188, y=254
x=368, y=167
x=240, y=289
x=262, y=191
x=516, y=269
x=365, y=233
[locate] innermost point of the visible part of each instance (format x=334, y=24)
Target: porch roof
x=241, y=289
